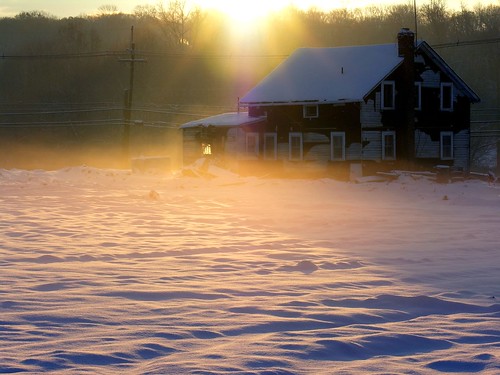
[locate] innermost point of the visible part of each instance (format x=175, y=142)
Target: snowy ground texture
x=109, y=272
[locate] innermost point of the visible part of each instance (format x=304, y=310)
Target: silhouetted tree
x=433, y=18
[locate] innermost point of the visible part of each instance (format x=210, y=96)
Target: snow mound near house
x=206, y=168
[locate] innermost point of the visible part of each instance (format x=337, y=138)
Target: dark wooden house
x=348, y=109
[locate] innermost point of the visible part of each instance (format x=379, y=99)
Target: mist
x=64, y=79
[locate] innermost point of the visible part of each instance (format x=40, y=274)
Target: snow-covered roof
x=224, y=120
x=336, y=75
x=331, y=75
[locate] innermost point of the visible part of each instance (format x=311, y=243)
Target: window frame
x=255, y=151
x=384, y=147
x=274, y=136
x=442, y=96
x=305, y=113
x=442, y=155
x=342, y=136
x=290, y=150
x=391, y=84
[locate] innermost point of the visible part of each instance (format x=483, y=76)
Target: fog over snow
x=114, y=272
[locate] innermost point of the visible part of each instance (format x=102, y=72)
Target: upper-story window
x=311, y=111
x=446, y=96
x=388, y=97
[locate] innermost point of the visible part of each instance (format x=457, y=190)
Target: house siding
x=372, y=141
x=235, y=142
x=354, y=152
x=461, y=149
x=429, y=148
x=430, y=79
x=370, y=113
x=283, y=151
x=318, y=153
x=425, y=147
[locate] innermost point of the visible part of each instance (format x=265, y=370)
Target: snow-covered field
x=109, y=272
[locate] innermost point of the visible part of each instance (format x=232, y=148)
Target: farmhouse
x=345, y=109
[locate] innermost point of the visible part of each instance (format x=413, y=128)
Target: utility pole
x=127, y=105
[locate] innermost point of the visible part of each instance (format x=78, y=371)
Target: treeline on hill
x=74, y=71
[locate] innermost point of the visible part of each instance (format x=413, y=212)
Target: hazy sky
x=78, y=7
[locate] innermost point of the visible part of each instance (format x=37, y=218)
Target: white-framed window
x=295, y=146
x=337, y=146
x=418, y=96
x=446, y=96
x=252, y=144
x=388, y=95
x=446, y=145
x=310, y=111
x=270, y=146
x=388, y=145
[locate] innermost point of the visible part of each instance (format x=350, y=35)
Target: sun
x=244, y=14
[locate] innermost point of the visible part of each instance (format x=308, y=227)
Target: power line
x=467, y=43
x=63, y=112
x=97, y=122
x=61, y=123
x=63, y=55
x=117, y=122
x=82, y=55
x=139, y=109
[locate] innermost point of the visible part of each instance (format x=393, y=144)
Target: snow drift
x=106, y=271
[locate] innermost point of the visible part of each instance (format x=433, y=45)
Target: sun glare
x=243, y=14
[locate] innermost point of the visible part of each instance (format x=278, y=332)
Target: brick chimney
x=406, y=42
x=407, y=92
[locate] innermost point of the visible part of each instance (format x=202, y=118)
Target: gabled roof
x=337, y=75
x=443, y=66
x=330, y=75
x=224, y=120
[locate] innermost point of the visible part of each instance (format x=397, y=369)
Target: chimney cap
x=405, y=30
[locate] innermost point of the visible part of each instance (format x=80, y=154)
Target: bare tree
x=175, y=22
x=434, y=17
x=107, y=9
x=146, y=11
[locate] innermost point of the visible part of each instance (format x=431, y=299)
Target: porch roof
x=230, y=119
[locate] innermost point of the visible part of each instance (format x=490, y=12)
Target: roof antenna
x=416, y=23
